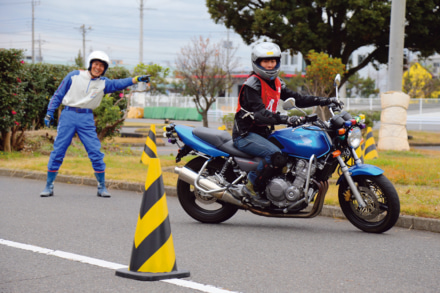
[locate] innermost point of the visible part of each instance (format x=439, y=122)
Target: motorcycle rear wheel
x=383, y=205
x=202, y=207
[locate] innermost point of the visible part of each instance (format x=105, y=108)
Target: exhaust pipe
x=190, y=176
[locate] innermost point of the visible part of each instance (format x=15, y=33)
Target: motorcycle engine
x=282, y=192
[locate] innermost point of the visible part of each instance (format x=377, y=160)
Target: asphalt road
x=246, y=254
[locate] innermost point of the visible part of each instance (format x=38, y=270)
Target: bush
x=12, y=98
x=228, y=120
x=110, y=115
x=42, y=82
x=25, y=92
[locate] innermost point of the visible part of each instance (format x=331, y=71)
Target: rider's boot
x=255, y=198
x=102, y=191
x=48, y=190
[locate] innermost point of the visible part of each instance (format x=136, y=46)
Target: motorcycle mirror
x=337, y=80
x=289, y=104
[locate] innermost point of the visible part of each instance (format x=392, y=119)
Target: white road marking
x=108, y=265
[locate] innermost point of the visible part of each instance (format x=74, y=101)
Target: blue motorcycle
x=209, y=185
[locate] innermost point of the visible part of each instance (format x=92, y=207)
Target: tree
x=418, y=83
x=337, y=28
x=204, y=69
x=79, y=60
x=321, y=73
x=363, y=87
x=319, y=78
x=158, y=76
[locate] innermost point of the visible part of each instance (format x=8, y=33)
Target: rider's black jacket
x=250, y=99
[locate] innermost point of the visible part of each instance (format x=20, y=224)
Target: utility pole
x=33, y=30
x=141, y=33
x=141, y=36
x=83, y=30
x=40, y=57
x=395, y=53
x=392, y=133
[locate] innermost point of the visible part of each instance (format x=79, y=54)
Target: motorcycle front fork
x=350, y=182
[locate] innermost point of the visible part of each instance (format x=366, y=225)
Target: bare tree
x=204, y=69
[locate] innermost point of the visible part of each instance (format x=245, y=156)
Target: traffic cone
x=150, y=149
x=153, y=256
x=370, y=151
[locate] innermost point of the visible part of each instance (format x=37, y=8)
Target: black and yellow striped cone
x=153, y=256
x=370, y=151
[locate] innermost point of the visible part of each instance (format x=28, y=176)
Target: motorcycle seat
x=220, y=139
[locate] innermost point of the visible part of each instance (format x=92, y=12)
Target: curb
x=408, y=222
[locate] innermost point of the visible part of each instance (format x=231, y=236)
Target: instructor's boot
x=255, y=198
x=102, y=191
x=48, y=190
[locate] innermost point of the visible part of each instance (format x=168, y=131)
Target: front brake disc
x=372, y=209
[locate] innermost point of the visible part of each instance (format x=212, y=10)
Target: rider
x=257, y=114
x=80, y=92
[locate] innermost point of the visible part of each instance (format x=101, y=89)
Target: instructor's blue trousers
x=72, y=122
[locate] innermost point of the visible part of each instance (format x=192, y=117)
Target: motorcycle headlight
x=354, y=137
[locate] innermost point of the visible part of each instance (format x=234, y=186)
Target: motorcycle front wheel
x=383, y=205
x=202, y=207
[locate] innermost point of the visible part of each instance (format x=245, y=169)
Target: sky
x=168, y=25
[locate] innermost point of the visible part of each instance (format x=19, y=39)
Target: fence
x=421, y=112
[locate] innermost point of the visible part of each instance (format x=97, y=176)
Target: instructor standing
x=80, y=92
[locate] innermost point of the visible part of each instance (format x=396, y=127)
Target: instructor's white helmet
x=101, y=56
x=266, y=50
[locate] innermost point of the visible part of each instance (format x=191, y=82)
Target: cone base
x=140, y=276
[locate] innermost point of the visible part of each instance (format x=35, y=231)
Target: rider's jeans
x=257, y=146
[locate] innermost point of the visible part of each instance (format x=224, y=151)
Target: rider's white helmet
x=266, y=50
x=101, y=56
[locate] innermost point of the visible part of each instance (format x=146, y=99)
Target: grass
x=415, y=173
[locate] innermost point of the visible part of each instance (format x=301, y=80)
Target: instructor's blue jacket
x=79, y=89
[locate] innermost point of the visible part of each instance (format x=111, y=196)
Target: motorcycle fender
x=364, y=169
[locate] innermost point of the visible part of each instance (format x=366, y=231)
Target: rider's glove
x=328, y=101
x=295, y=121
x=48, y=119
x=143, y=78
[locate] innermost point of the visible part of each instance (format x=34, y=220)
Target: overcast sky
x=115, y=28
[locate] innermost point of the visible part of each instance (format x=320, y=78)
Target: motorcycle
x=209, y=185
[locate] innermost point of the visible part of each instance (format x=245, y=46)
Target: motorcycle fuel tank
x=302, y=142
